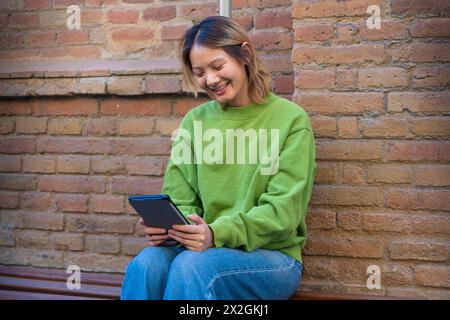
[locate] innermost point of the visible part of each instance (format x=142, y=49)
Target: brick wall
x=86, y=118
x=379, y=103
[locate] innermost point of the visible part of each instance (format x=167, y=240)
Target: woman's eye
x=200, y=75
x=219, y=68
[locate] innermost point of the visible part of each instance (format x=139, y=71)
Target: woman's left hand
x=198, y=237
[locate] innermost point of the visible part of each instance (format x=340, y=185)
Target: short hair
x=219, y=32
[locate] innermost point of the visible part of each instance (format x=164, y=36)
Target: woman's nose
x=212, y=80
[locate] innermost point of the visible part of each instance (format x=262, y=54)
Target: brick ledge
x=119, y=77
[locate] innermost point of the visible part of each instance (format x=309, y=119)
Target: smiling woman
x=248, y=217
x=219, y=58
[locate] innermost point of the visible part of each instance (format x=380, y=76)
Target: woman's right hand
x=155, y=236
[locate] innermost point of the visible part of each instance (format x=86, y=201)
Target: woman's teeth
x=221, y=87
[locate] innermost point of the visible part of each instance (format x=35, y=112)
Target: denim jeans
x=172, y=273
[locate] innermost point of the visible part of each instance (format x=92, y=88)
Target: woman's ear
x=246, y=48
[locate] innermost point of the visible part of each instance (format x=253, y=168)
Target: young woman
x=241, y=169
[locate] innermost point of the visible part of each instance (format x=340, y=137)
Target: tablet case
x=157, y=210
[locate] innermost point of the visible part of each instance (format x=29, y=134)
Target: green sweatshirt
x=248, y=171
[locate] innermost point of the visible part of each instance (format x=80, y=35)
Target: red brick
x=390, y=30
x=418, y=250
x=344, y=246
x=412, y=151
x=356, y=103
x=184, y=105
x=72, y=202
x=122, y=16
x=37, y=4
x=100, y=127
x=389, y=173
x=9, y=200
x=412, y=7
x=277, y=62
x=326, y=173
x=42, y=221
x=72, y=37
x=349, y=220
x=163, y=84
x=420, y=52
x=346, y=78
x=79, y=52
x=433, y=276
x=132, y=34
x=382, y=77
x=384, y=127
x=66, y=241
x=39, y=39
x=166, y=127
x=32, y=238
x=73, y=164
x=197, y=12
x=386, y=222
x=99, y=224
x=135, y=107
x=31, y=125
x=349, y=150
x=129, y=186
x=160, y=13
x=273, y=19
x=330, y=8
x=17, y=145
x=16, y=107
x=346, y=195
x=434, y=200
x=418, y=101
x=401, y=199
x=432, y=126
x=324, y=126
x=72, y=145
x=74, y=184
x=10, y=163
x=66, y=107
x=431, y=77
x=140, y=146
x=283, y=84
x=64, y=126
x=39, y=164
x=348, y=127
x=315, y=78
x=102, y=244
x=23, y=20
x=431, y=224
x=17, y=182
x=353, y=174
x=346, y=32
x=173, y=32
x=338, y=55
x=152, y=166
x=106, y=203
x=435, y=27
x=313, y=31
x=321, y=219
x=108, y=165
x=432, y=175
x=37, y=201
x=266, y=40
x=6, y=125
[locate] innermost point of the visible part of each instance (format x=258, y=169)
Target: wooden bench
x=24, y=283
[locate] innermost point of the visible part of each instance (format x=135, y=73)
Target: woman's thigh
x=227, y=273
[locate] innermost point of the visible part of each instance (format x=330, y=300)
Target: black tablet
x=157, y=210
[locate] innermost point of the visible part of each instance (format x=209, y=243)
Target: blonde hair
x=220, y=32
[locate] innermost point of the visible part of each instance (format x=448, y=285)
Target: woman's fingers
x=152, y=231
x=155, y=243
x=187, y=236
x=154, y=237
x=186, y=242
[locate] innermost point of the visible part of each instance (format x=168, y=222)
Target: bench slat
x=60, y=275
x=22, y=295
x=58, y=287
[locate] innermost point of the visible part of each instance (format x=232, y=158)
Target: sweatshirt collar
x=244, y=112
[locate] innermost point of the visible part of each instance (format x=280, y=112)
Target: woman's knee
x=152, y=259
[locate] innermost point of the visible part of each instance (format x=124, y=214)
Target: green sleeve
x=281, y=210
x=180, y=178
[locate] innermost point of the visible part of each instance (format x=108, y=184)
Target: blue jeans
x=172, y=273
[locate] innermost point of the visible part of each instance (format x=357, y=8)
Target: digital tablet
x=157, y=210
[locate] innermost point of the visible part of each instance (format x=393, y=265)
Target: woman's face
x=220, y=75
